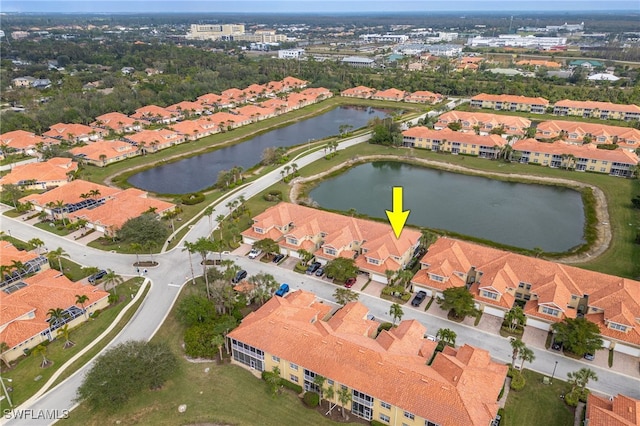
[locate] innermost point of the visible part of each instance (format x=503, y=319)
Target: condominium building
x=484, y=123
x=453, y=142
x=510, y=103
x=387, y=374
x=214, y=32
x=601, y=110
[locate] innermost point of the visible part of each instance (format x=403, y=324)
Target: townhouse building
x=484, y=123
x=155, y=140
x=619, y=410
x=102, y=153
x=31, y=262
x=578, y=132
x=254, y=112
x=389, y=95
x=25, y=142
x=510, y=103
x=195, y=129
x=74, y=133
x=424, y=97
x=329, y=236
x=538, y=63
x=186, y=108
x=386, y=374
x=25, y=323
x=601, y=110
x=453, y=142
x=548, y=292
x=582, y=158
x=47, y=174
x=362, y=92
x=117, y=122
x=155, y=114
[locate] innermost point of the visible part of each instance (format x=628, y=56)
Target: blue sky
x=312, y=6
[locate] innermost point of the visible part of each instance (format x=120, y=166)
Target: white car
x=254, y=253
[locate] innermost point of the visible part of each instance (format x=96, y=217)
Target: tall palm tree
x=580, y=379
x=217, y=341
x=57, y=254
x=515, y=318
x=203, y=246
x=59, y=204
x=112, y=279
x=344, y=396
x=396, y=312
x=17, y=266
x=64, y=332
x=55, y=316
x=37, y=243
x=80, y=300
x=447, y=336
x=209, y=213
x=220, y=219
x=329, y=394
x=526, y=354
x=189, y=248
x=517, y=346
x=136, y=247
x=41, y=350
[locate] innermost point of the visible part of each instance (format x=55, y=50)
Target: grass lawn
x=538, y=404
x=227, y=394
x=25, y=373
x=53, y=229
x=72, y=270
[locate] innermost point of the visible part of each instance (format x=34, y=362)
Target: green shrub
x=405, y=297
x=290, y=385
x=377, y=423
x=518, y=382
x=501, y=393
x=193, y=198
x=385, y=326
x=300, y=267
x=571, y=399
x=311, y=399
x=274, y=195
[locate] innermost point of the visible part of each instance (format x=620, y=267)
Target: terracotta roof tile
x=22, y=140
x=511, y=99
x=50, y=172
x=70, y=193
x=602, y=106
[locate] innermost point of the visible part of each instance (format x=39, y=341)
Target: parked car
x=242, y=274
x=313, y=267
x=430, y=337
x=320, y=272
x=419, y=298
x=589, y=356
x=254, y=253
x=350, y=282
x=95, y=277
x=278, y=258
x=556, y=346
x=284, y=289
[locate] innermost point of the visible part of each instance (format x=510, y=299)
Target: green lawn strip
x=13, y=213
x=538, y=404
x=28, y=369
x=109, y=337
x=227, y=394
x=71, y=269
x=53, y=229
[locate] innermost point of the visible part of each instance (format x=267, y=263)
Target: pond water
x=201, y=171
x=517, y=214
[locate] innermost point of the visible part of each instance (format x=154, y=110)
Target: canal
x=517, y=214
x=201, y=171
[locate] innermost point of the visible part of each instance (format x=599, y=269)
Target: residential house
x=579, y=133
x=186, y=108
x=209, y=99
x=228, y=121
x=102, y=153
x=387, y=376
x=25, y=304
x=235, y=95
x=256, y=113
x=255, y=91
x=583, y=158
x=424, y=97
x=453, y=142
x=317, y=93
x=32, y=262
x=538, y=63
x=328, y=236
x=548, y=291
x=484, y=123
x=22, y=81
x=117, y=122
x=75, y=195
x=280, y=106
x=601, y=110
x=389, y=95
x=25, y=142
x=362, y=92
x=108, y=217
x=620, y=410
x=48, y=174
x=510, y=103
x=74, y=133
x=155, y=114
x=291, y=83
x=155, y=140
x=195, y=129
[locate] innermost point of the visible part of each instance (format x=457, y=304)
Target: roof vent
x=361, y=351
x=324, y=341
x=455, y=378
x=401, y=371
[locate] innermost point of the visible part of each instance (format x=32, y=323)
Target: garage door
x=494, y=311
x=99, y=228
x=542, y=325
x=379, y=278
x=248, y=240
x=417, y=288
x=629, y=350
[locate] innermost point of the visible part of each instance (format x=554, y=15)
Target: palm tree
x=526, y=354
x=57, y=254
x=112, y=279
x=136, y=247
x=389, y=273
x=396, y=312
x=220, y=219
x=344, y=396
x=319, y=381
x=95, y=193
x=64, y=332
x=37, y=243
x=55, y=316
x=305, y=256
x=204, y=246
x=80, y=300
x=217, y=341
x=59, y=204
x=17, y=266
x=447, y=336
x=515, y=318
x=189, y=248
x=209, y=213
x=581, y=378
x=329, y=394
x=517, y=346
x=294, y=166
x=41, y=350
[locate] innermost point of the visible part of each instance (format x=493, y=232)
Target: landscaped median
x=29, y=379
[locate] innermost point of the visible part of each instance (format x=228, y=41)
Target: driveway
x=535, y=337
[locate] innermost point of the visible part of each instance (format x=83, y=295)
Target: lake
x=517, y=214
x=201, y=171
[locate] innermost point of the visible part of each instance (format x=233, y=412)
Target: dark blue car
x=284, y=289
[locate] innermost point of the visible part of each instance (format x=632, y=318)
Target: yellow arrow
x=397, y=217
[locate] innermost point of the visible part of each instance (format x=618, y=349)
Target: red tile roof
x=151, y=112
x=63, y=130
x=22, y=140
x=511, y=99
x=114, y=120
x=620, y=410
x=8, y=253
x=110, y=150
x=589, y=151
x=50, y=171
x=602, y=106
x=70, y=193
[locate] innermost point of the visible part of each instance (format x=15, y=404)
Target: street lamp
x=4, y=388
x=554, y=372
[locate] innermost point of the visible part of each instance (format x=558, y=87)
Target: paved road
x=173, y=272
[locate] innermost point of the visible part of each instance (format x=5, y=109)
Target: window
x=293, y=378
x=521, y=285
x=616, y=326
x=275, y=358
x=385, y=405
x=429, y=423
x=528, y=287
x=259, y=230
x=329, y=251
x=385, y=418
x=373, y=261
x=409, y=415
x=550, y=311
x=293, y=366
x=489, y=295
x=436, y=277
x=292, y=240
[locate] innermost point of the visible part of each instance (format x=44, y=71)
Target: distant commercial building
x=17, y=35
x=262, y=36
x=448, y=50
x=512, y=40
x=358, y=62
x=384, y=38
x=290, y=53
x=214, y=32
x=555, y=28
